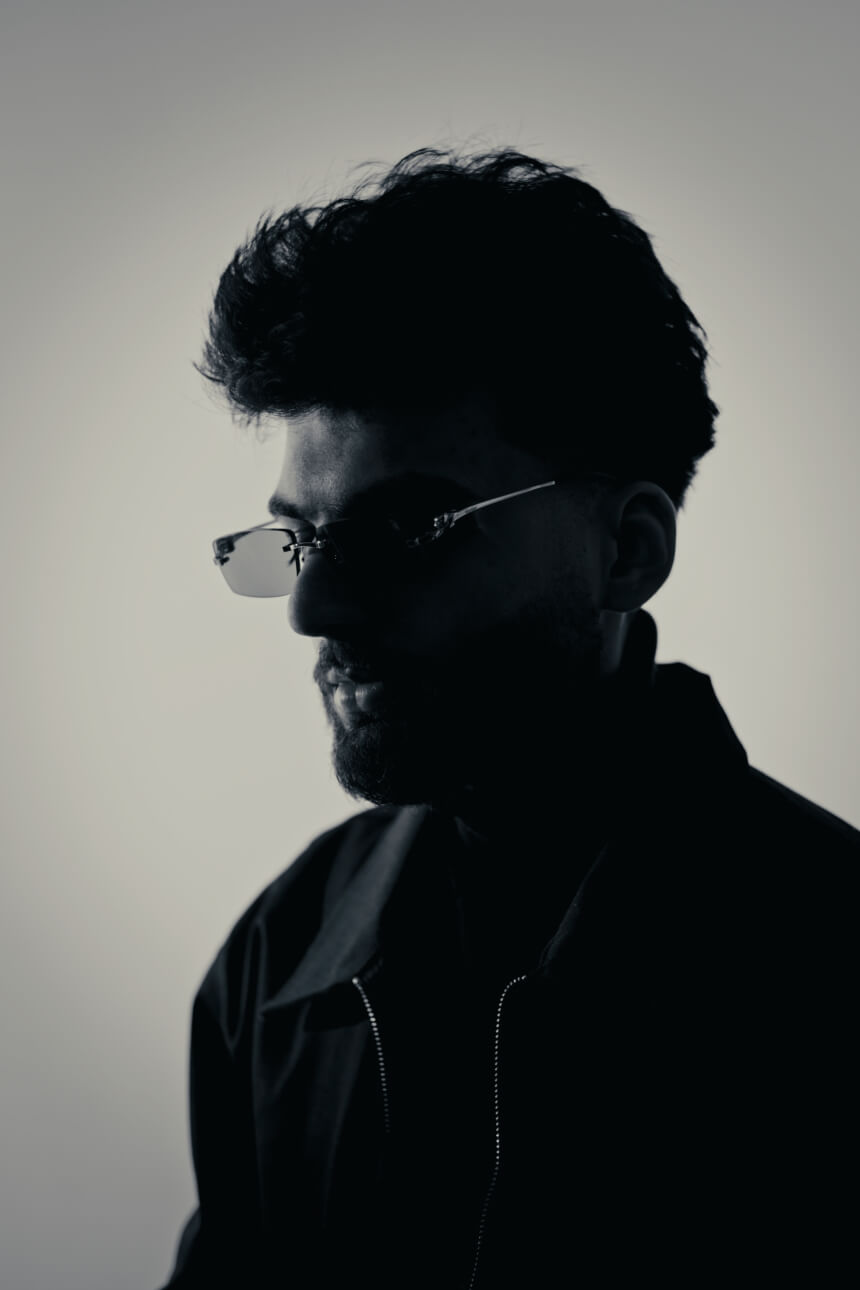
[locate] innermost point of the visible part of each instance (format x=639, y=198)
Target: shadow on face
x=449, y=665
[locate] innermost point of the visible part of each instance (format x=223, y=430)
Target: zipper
x=380, y=1056
x=497, y=1131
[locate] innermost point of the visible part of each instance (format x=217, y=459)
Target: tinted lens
x=259, y=565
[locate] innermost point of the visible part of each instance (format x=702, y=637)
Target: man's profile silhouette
x=568, y=1004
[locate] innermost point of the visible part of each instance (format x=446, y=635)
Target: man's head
x=468, y=329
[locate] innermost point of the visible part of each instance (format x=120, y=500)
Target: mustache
x=369, y=664
x=491, y=654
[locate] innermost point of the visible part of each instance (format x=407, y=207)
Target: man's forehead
x=334, y=459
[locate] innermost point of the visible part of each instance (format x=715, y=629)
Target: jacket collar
x=349, y=939
x=678, y=792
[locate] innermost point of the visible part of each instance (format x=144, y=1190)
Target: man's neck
x=574, y=777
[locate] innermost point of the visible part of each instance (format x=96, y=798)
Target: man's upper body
x=418, y=1063
x=571, y=1003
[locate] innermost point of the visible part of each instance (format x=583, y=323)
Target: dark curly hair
x=446, y=274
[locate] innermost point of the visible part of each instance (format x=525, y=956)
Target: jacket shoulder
x=795, y=822
x=795, y=871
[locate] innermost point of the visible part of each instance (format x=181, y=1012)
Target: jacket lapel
x=349, y=938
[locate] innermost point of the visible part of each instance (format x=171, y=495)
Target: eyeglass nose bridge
x=316, y=543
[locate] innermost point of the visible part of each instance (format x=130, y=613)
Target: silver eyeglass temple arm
x=444, y=522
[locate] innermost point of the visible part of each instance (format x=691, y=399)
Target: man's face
x=443, y=675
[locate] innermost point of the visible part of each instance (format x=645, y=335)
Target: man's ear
x=639, y=522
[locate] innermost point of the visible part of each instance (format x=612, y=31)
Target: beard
x=489, y=717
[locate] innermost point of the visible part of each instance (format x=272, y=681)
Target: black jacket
x=662, y=1095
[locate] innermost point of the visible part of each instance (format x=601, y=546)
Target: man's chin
x=390, y=763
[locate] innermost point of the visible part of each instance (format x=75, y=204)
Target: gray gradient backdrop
x=164, y=753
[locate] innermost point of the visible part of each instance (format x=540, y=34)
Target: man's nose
x=328, y=600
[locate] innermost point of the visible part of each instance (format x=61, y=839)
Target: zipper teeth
x=498, y=1130
x=377, y=1039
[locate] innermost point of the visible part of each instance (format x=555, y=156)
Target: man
x=568, y=1005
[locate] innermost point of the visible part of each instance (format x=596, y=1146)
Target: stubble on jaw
x=491, y=718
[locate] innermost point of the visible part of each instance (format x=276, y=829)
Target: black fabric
x=675, y=1065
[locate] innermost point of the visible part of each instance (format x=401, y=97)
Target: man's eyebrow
x=412, y=488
